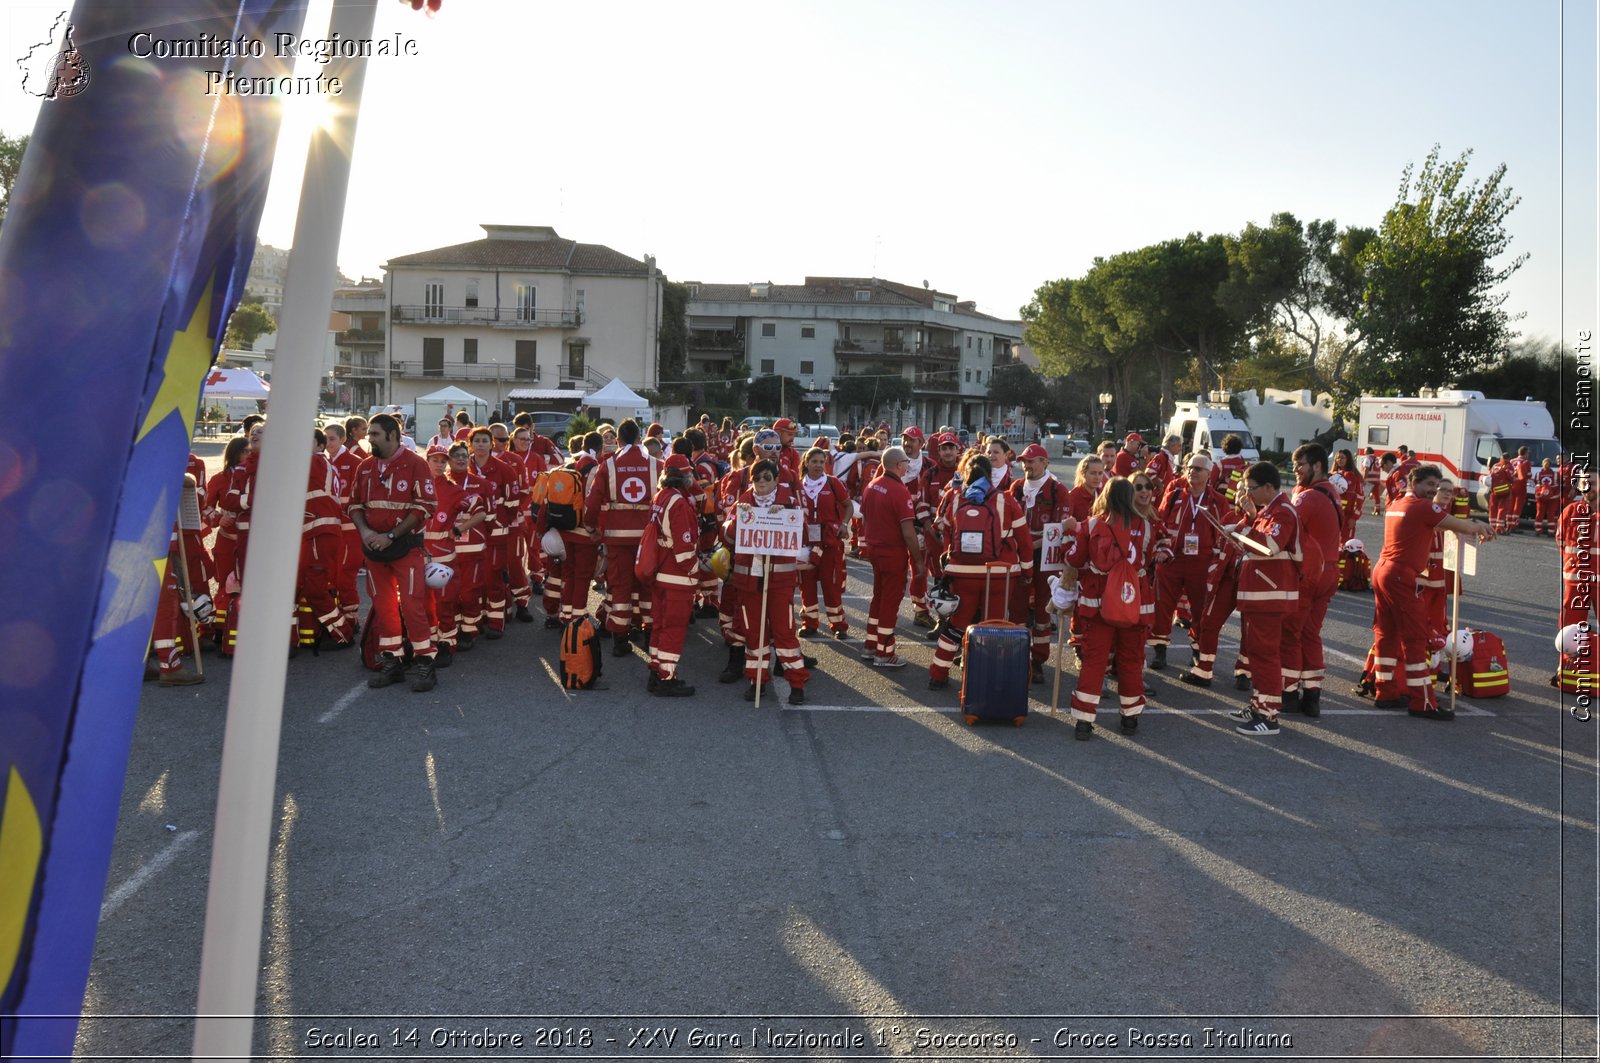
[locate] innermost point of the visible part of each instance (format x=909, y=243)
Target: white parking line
x=120, y=895
x=343, y=703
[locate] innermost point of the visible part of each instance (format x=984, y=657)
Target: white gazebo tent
x=235, y=384
x=447, y=402
x=616, y=400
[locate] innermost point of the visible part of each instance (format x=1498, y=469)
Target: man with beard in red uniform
x=1043, y=499
x=391, y=503
x=1400, y=618
x=618, y=507
x=677, y=576
x=1316, y=503
x=888, y=517
x=1194, y=551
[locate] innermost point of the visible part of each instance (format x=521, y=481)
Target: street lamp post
x=1105, y=403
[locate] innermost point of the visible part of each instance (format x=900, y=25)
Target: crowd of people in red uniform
x=455, y=544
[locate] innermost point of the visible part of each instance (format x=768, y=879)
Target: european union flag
x=125, y=248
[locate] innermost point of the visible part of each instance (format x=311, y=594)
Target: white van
x=1204, y=425
x=1461, y=431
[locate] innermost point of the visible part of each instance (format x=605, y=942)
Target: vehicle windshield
x=1538, y=449
x=1218, y=435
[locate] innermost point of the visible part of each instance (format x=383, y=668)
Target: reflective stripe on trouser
x=1100, y=642
x=169, y=621
x=622, y=598
x=1263, y=642
x=1400, y=630
x=1577, y=600
x=730, y=616
x=497, y=591
x=1176, y=580
x=888, y=591
x=671, y=607
x=826, y=576
x=1208, y=625
x=577, y=572
x=399, y=596
x=969, y=589
x=317, y=575
x=1043, y=622
x=779, y=632
x=517, y=561
x=351, y=561
x=1302, y=636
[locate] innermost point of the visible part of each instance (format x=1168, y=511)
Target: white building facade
x=835, y=334
x=524, y=318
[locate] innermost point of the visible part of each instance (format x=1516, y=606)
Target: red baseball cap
x=438, y=448
x=1133, y=437
x=913, y=433
x=822, y=443
x=679, y=463
x=1034, y=450
x=783, y=424
x=946, y=439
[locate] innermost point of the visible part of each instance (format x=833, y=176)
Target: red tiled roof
x=559, y=254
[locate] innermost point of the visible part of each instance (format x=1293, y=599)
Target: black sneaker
x=842, y=634
x=750, y=692
x=707, y=612
x=810, y=633
x=1434, y=712
x=674, y=688
x=1130, y=724
x=552, y=623
x=1258, y=726
x=1193, y=680
x=425, y=679
x=391, y=670
x=1291, y=701
x=621, y=647
x=464, y=641
x=809, y=662
x=1243, y=712
x=524, y=615
x=1083, y=730
x=536, y=588
x=1241, y=681
x=1392, y=703
x=1158, y=658
x=1035, y=673
x=797, y=696
x=1311, y=702
x=938, y=684
x=493, y=633
x=444, y=657
x=735, y=668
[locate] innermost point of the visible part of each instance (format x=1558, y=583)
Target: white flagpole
x=231, y=952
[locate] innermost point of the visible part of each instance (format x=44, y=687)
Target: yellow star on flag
x=134, y=564
x=188, y=359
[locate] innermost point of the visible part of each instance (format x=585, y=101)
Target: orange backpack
x=559, y=492
x=580, y=654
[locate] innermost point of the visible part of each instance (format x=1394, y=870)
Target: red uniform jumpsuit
x=1094, y=553
x=1124, y=463
x=1162, y=468
x=935, y=479
x=1227, y=476
x=778, y=629
x=583, y=550
x=1397, y=484
x=503, y=475
x=1048, y=505
x=1521, y=473
x=729, y=488
x=351, y=559
x=1304, y=667
x=1194, y=552
x=385, y=492
x=885, y=503
x=1350, y=503
x=1500, y=485
x=1400, y=618
x=526, y=563
x=1579, y=540
x=979, y=535
x=1269, y=590
x=321, y=553
x=676, y=578
x=1372, y=474
x=916, y=482
x=1546, y=501
x=827, y=505
x=472, y=553
x=618, y=506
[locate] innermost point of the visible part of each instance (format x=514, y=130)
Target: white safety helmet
x=437, y=574
x=1458, y=645
x=554, y=546
x=1574, y=640
x=1062, y=597
x=1354, y=546
x=942, y=601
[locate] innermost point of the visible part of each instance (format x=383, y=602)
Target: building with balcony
x=360, y=368
x=830, y=329
x=524, y=317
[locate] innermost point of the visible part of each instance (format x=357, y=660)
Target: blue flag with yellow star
x=126, y=244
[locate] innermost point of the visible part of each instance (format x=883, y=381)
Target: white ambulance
x=1203, y=425
x=1460, y=431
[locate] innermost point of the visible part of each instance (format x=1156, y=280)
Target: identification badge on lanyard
x=813, y=533
x=1191, y=545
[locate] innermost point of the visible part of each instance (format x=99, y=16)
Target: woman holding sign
x=766, y=552
x=1045, y=501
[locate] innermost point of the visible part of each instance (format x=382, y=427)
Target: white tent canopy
x=616, y=396
x=452, y=394
x=235, y=384
x=447, y=402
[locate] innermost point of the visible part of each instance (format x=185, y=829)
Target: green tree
x=673, y=339
x=1432, y=306
x=249, y=320
x=866, y=395
x=774, y=396
x=11, y=149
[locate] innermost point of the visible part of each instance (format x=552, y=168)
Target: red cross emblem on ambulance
x=633, y=489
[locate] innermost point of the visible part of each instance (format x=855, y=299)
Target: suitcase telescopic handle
x=988, y=572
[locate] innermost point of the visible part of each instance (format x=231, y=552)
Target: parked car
x=755, y=424
x=810, y=433
x=1075, y=445
x=553, y=424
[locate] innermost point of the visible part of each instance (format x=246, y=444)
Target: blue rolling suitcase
x=994, y=670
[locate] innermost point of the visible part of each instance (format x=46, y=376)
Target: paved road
x=1365, y=885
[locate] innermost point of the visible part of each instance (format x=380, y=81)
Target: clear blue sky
x=985, y=148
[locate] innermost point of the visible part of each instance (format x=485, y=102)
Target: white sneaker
x=892, y=661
